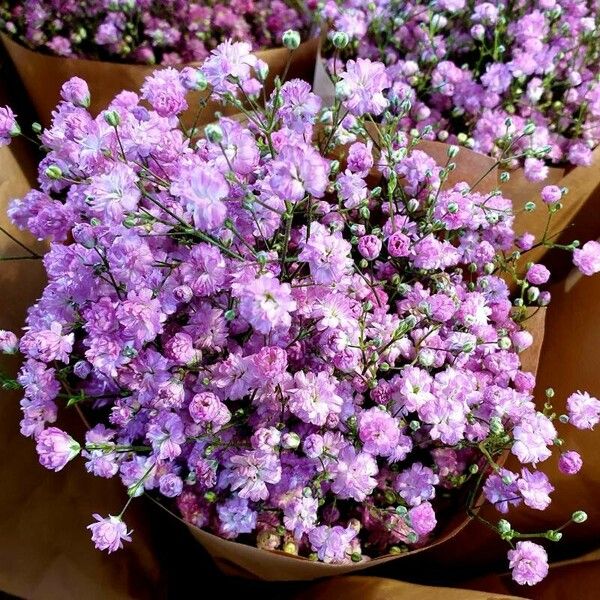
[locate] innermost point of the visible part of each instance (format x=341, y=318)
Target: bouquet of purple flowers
x=145, y=31
x=467, y=68
x=297, y=328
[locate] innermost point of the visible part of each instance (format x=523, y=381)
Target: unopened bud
x=291, y=39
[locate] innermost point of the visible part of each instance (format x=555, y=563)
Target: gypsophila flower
x=587, y=258
x=109, y=533
x=583, y=410
x=528, y=562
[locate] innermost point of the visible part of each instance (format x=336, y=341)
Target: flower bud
x=112, y=118
x=579, y=516
x=54, y=172
x=213, y=133
x=340, y=39
x=291, y=39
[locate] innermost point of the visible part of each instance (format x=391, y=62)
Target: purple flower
x=109, y=533
x=353, y=474
x=369, y=246
x=537, y=274
x=551, y=194
x=56, y=448
x=252, y=470
x=313, y=397
x=362, y=84
x=300, y=515
x=331, y=544
x=528, y=562
x=203, y=189
x=501, y=490
x=166, y=436
x=422, y=518
x=532, y=438
x=328, y=255
x=587, y=258
x=165, y=92
x=76, y=91
x=207, y=409
x=236, y=517
x=48, y=344
x=380, y=434
x=416, y=484
x=535, y=489
x=266, y=304
x=583, y=410
x=570, y=462
x=300, y=106
x=298, y=170
x=8, y=125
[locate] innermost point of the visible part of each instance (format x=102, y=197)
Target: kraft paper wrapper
x=43, y=75
x=578, y=219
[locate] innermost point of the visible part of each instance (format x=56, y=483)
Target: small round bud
x=213, y=133
x=112, y=118
x=504, y=176
x=529, y=129
x=291, y=39
x=210, y=496
x=554, y=536
x=453, y=151
x=290, y=440
x=474, y=469
x=54, y=172
x=579, y=516
x=504, y=526
x=340, y=39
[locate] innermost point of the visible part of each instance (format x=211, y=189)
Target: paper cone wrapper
x=578, y=219
x=43, y=76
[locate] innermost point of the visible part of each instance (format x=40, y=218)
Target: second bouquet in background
x=114, y=46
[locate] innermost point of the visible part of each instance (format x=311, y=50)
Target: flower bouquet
x=296, y=330
x=478, y=72
x=115, y=45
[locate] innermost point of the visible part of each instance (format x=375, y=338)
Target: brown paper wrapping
x=578, y=219
x=43, y=75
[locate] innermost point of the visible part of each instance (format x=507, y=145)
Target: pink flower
x=165, y=92
x=537, y=274
x=583, y=410
x=587, y=258
x=9, y=343
x=76, y=91
x=266, y=303
x=551, y=194
x=313, y=397
x=570, y=462
x=109, y=533
x=8, y=125
x=363, y=83
x=56, y=448
x=535, y=488
x=528, y=562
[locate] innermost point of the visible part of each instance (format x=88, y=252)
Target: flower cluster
x=294, y=326
x=145, y=31
x=469, y=68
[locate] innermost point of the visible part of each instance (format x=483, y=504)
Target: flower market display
x=292, y=326
x=466, y=67
x=145, y=31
